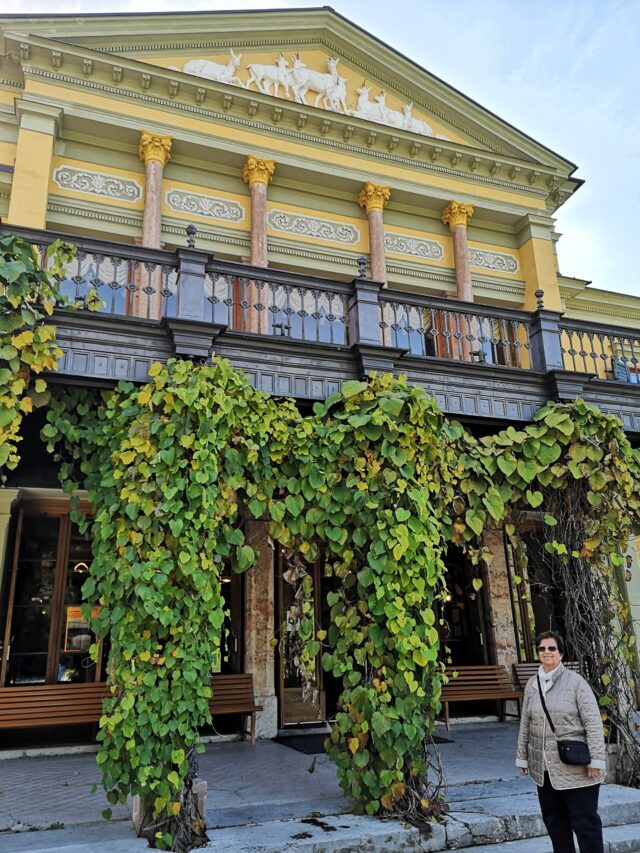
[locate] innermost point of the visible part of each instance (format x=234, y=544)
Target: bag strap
x=544, y=704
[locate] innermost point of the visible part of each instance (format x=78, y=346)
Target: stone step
x=103, y=837
x=122, y=845
x=478, y=817
x=617, y=839
x=344, y=833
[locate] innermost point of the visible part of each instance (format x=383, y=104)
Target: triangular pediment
x=312, y=57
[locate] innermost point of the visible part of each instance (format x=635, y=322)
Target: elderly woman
x=568, y=793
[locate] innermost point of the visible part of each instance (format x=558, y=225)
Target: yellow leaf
x=26, y=404
x=155, y=368
x=174, y=808
x=145, y=655
x=144, y=396
x=477, y=584
x=354, y=744
x=274, y=642
x=22, y=340
x=397, y=790
x=386, y=802
x=127, y=457
x=321, y=635
x=425, y=804
x=41, y=386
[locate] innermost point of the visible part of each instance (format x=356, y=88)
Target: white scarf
x=546, y=678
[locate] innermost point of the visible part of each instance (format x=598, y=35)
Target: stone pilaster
x=257, y=173
x=154, y=151
x=374, y=199
x=40, y=124
x=259, y=621
x=457, y=215
x=503, y=630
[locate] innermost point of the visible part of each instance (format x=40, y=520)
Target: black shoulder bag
x=570, y=751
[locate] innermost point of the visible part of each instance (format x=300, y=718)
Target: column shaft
x=376, y=245
x=464, y=288
x=259, y=254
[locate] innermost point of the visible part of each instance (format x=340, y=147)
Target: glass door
x=45, y=639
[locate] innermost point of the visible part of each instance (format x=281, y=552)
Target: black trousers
x=569, y=811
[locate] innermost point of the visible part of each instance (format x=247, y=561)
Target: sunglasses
x=547, y=648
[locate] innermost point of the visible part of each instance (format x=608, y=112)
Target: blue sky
x=567, y=72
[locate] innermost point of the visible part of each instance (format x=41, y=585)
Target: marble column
x=457, y=215
x=374, y=199
x=154, y=152
x=257, y=173
x=259, y=656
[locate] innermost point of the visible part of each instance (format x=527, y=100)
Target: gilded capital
x=258, y=171
x=154, y=147
x=373, y=197
x=457, y=213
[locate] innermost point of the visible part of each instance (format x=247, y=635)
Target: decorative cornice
x=258, y=171
x=407, y=244
x=154, y=148
x=374, y=197
x=99, y=214
x=97, y=183
x=457, y=213
x=200, y=204
x=424, y=157
x=499, y=261
x=314, y=227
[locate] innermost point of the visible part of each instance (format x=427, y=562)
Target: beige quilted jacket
x=576, y=716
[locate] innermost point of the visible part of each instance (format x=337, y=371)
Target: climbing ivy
x=376, y=484
x=172, y=469
x=367, y=480
x=28, y=295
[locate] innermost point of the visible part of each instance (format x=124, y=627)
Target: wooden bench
x=474, y=683
x=233, y=694
x=39, y=705
x=36, y=705
x=525, y=671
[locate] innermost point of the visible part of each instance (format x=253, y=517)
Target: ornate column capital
x=153, y=147
x=457, y=213
x=374, y=197
x=258, y=171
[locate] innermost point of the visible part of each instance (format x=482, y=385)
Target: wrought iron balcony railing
x=190, y=286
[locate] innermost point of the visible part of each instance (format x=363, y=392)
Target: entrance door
x=464, y=613
x=45, y=638
x=295, y=710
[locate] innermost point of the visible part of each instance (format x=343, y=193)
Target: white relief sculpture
x=204, y=205
x=405, y=244
x=266, y=76
x=331, y=88
x=378, y=111
x=311, y=226
x=214, y=70
x=97, y=183
x=493, y=261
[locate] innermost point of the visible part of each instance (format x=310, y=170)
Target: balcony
x=302, y=335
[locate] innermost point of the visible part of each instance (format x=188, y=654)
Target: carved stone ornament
x=417, y=247
x=374, y=197
x=292, y=78
x=456, y=213
x=204, y=205
x=493, y=260
x=311, y=226
x=97, y=183
x=153, y=147
x=258, y=171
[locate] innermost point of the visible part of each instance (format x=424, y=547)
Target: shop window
x=44, y=637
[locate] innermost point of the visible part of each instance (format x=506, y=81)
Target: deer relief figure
x=266, y=76
x=214, y=70
x=365, y=108
x=330, y=88
x=415, y=125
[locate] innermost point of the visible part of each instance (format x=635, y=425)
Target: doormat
x=313, y=744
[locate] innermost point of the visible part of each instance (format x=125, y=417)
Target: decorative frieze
x=97, y=183
x=312, y=226
x=199, y=204
x=498, y=261
x=418, y=247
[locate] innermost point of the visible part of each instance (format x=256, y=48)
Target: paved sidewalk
x=40, y=792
